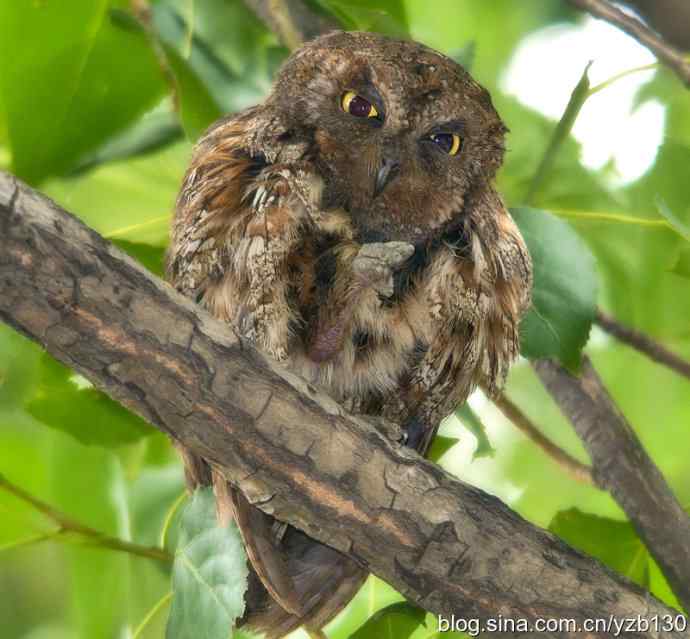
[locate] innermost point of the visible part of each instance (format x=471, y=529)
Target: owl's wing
x=210, y=210
x=479, y=293
x=260, y=534
x=227, y=201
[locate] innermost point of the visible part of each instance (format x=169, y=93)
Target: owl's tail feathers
x=259, y=533
x=325, y=581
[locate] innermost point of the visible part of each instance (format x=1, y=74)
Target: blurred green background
x=99, y=107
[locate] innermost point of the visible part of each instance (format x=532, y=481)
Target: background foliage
x=99, y=109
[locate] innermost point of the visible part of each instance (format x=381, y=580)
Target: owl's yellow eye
x=356, y=105
x=448, y=142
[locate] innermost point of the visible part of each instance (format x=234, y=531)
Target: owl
x=349, y=228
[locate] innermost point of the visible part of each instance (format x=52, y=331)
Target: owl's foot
x=376, y=262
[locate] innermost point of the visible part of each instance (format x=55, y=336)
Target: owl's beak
x=387, y=171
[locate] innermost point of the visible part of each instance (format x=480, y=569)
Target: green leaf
x=70, y=404
x=198, y=109
x=564, y=296
x=88, y=484
x=19, y=363
x=496, y=26
x=382, y=16
x=465, y=56
x=374, y=595
x=658, y=585
x=156, y=130
x=614, y=543
x=682, y=264
x=397, y=621
x=471, y=421
x=209, y=574
x=680, y=226
x=152, y=495
x=440, y=446
x=81, y=76
x=152, y=257
x=131, y=199
x=226, y=45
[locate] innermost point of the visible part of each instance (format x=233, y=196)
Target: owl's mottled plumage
x=396, y=291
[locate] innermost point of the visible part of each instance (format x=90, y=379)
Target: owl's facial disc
x=401, y=134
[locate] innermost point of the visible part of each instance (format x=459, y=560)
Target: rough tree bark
x=445, y=545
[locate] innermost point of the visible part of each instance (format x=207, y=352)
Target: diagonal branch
x=622, y=466
x=68, y=525
x=446, y=546
x=638, y=30
x=644, y=344
x=576, y=469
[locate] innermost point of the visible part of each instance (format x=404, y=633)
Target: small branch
x=622, y=467
x=291, y=20
x=643, y=343
x=576, y=469
x=444, y=545
x=69, y=525
x=643, y=34
x=619, y=76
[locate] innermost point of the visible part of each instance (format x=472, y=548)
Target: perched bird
x=349, y=227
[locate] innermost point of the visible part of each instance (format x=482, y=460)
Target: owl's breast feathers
x=252, y=244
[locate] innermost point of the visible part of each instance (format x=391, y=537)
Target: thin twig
x=576, y=469
x=68, y=525
x=671, y=57
x=619, y=76
x=643, y=343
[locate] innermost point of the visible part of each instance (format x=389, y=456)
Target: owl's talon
x=375, y=263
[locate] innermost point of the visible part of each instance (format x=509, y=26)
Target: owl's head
x=402, y=134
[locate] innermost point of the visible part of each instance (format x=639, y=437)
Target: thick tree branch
x=643, y=34
x=445, y=545
x=622, y=466
x=644, y=344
